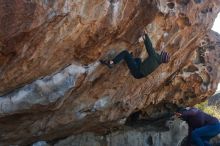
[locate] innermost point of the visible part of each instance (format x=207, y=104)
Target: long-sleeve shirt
x=196, y=119
x=153, y=60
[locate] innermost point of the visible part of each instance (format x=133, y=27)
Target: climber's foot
x=110, y=63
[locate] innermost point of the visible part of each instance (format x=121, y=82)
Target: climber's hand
x=143, y=36
x=178, y=115
x=145, y=31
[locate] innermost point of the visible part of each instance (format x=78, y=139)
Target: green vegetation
x=212, y=110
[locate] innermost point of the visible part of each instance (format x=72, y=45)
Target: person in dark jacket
x=138, y=68
x=202, y=126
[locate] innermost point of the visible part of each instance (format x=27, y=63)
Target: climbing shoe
x=107, y=63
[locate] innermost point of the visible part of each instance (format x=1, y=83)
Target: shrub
x=212, y=110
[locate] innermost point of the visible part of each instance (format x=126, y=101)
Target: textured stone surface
x=216, y=140
x=130, y=136
x=41, y=37
x=52, y=84
x=214, y=100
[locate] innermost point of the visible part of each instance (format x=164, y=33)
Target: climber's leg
x=132, y=63
x=201, y=135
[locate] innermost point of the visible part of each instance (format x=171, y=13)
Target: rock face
x=52, y=84
x=127, y=136
x=214, y=100
x=132, y=137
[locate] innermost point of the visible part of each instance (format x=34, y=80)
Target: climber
x=138, y=68
x=202, y=127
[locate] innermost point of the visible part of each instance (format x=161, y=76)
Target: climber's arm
x=188, y=113
x=148, y=45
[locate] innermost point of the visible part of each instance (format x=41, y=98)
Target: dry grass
x=212, y=110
